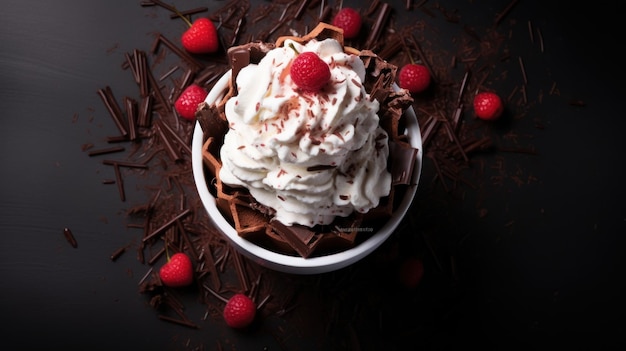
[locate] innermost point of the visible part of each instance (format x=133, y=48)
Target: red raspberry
x=239, y=311
x=188, y=101
x=349, y=20
x=309, y=72
x=488, y=106
x=201, y=37
x=414, y=77
x=177, y=272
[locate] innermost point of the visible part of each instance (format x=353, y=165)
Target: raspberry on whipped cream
x=311, y=157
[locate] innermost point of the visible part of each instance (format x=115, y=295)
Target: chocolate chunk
x=212, y=121
x=249, y=223
x=243, y=55
x=402, y=160
x=239, y=58
x=302, y=239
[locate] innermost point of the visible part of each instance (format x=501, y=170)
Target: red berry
x=309, y=72
x=177, y=272
x=349, y=20
x=414, y=77
x=488, y=105
x=188, y=101
x=239, y=311
x=411, y=272
x=201, y=37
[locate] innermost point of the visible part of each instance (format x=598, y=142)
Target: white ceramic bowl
x=297, y=264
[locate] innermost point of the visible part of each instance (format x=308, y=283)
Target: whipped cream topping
x=309, y=156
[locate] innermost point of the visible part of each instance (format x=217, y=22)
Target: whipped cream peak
x=309, y=156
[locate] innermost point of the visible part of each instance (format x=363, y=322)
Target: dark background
x=544, y=269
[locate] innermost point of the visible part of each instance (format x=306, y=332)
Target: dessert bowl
x=285, y=262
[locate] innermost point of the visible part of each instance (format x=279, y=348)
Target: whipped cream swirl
x=309, y=156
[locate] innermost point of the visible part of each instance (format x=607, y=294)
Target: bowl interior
x=296, y=264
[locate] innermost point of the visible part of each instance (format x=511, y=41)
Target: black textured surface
x=543, y=269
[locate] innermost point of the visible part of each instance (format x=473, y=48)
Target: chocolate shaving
x=117, y=253
x=320, y=168
x=505, y=12
x=114, y=109
x=145, y=112
x=189, y=12
x=163, y=103
x=131, y=115
x=105, y=151
x=166, y=225
x=142, y=71
x=523, y=69
x=462, y=89
x=169, y=73
x=301, y=9
x=160, y=3
x=171, y=134
x=124, y=164
x=119, y=181
x=182, y=322
x=195, y=64
x=173, y=151
x=378, y=26
x=69, y=236
x=241, y=273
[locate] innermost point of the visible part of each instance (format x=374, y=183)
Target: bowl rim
x=297, y=264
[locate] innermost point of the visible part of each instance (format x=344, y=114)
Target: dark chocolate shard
x=239, y=58
x=302, y=239
x=212, y=121
x=249, y=223
x=243, y=55
x=402, y=157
